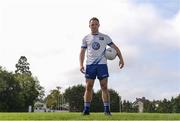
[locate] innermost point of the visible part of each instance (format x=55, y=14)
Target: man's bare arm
x=121, y=61
x=81, y=59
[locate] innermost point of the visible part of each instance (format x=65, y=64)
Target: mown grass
x=93, y=116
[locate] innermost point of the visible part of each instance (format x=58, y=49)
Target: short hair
x=94, y=18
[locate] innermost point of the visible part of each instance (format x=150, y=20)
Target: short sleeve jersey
x=96, y=46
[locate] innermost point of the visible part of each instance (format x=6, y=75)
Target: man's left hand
x=121, y=64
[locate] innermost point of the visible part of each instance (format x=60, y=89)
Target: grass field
x=93, y=116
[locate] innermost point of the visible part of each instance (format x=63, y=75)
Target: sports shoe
x=85, y=113
x=107, y=113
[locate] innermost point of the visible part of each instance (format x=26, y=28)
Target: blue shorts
x=96, y=70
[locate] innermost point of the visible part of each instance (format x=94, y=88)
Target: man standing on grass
x=96, y=64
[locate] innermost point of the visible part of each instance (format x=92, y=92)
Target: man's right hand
x=82, y=69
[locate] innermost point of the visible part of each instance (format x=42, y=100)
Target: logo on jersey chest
x=95, y=45
x=101, y=38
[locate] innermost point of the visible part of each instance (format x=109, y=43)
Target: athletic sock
x=106, y=106
x=86, y=106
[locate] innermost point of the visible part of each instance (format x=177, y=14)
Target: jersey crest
x=95, y=45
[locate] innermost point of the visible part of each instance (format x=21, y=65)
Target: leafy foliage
x=22, y=67
x=19, y=90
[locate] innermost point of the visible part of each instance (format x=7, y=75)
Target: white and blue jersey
x=96, y=46
x=96, y=63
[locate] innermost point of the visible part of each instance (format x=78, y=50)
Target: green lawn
x=93, y=116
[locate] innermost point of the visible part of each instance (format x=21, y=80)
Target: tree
x=128, y=107
x=30, y=89
x=125, y=106
x=74, y=96
x=148, y=106
x=22, y=67
x=176, y=104
x=114, y=100
x=52, y=100
x=164, y=106
x=18, y=91
x=9, y=92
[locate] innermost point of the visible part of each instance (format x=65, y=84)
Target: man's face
x=94, y=26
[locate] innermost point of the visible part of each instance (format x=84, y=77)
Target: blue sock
x=86, y=106
x=106, y=106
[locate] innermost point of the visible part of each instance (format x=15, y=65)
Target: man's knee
x=104, y=86
x=89, y=86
